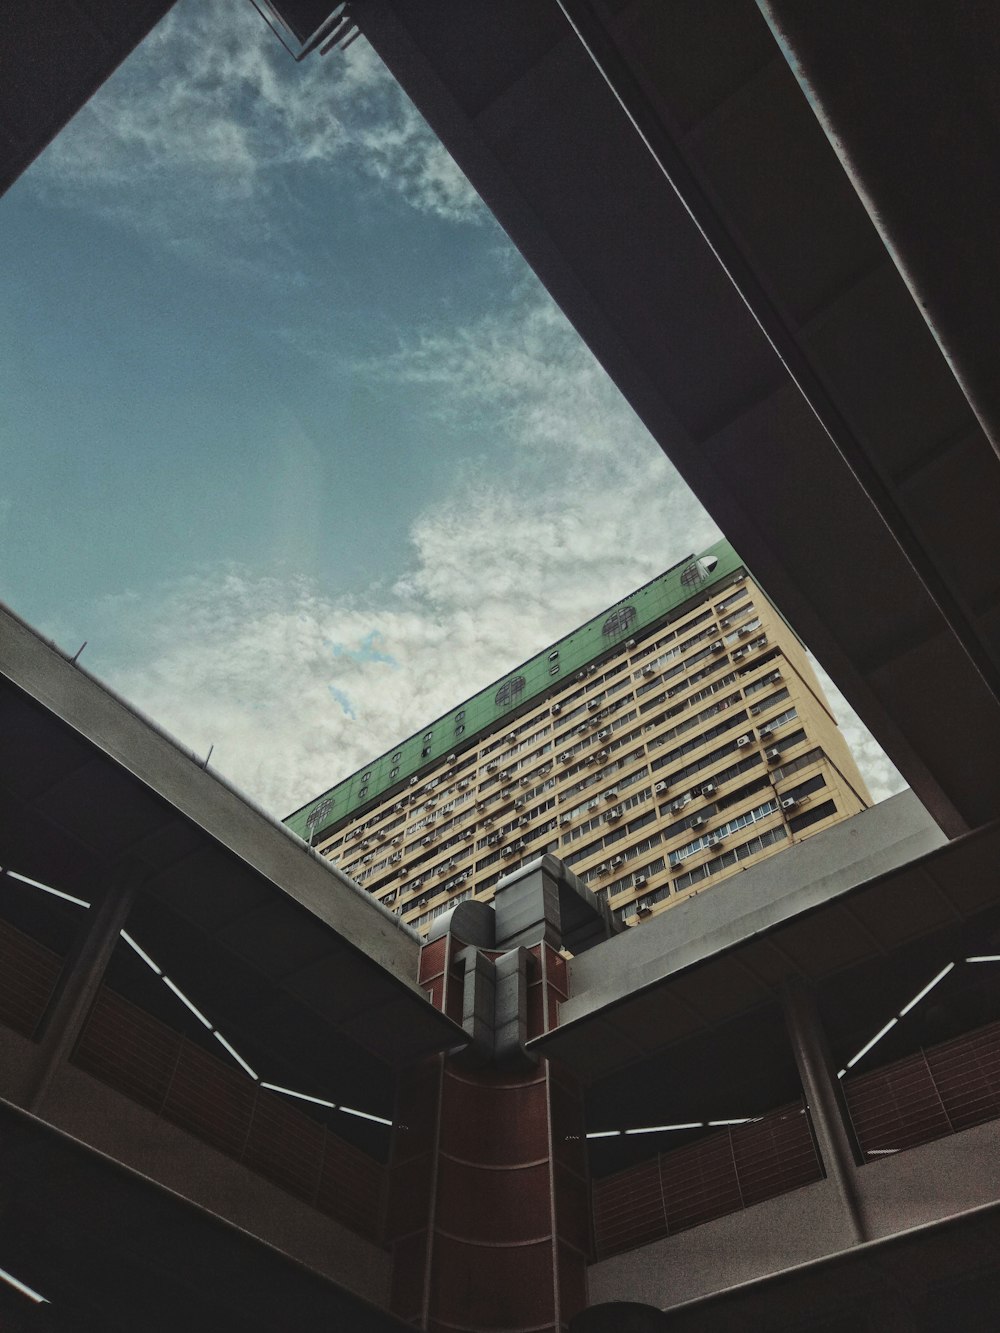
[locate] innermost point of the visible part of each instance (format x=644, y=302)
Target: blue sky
x=289, y=432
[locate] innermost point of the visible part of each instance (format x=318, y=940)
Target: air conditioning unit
x=442, y=870
x=697, y=822
x=519, y=803
x=739, y=653
x=404, y=870
x=765, y=733
x=565, y=758
x=527, y=780
x=581, y=675
x=523, y=822
x=611, y=794
x=463, y=783
x=602, y=869
x=747, y=629
x=647, y=670
x=754, y=709
x=716, y=647
x=426, y=842
x=366, y=843
x=414, y=781
x=639, y=881
x=481, y=805
x=603, y=735
x=511, y=736
x=743, y=741
x=708, y=789
x=677, y=861
x=493, y=839
x=773, y=755
x=613, y=815
x=678, y=805
x=630, y=643
x=396, y=841
x=452, y=758
x=492, y=766
x=602, y=754
x=714, y=844
x=643, y=911
x=594, y=705
x=789, y=803
x=488, y=822
x=367, y=859
x=508, y=851
x=566, y=819
x=469, y=833
x=555, y=710
x=617, y=861
x=395, y=858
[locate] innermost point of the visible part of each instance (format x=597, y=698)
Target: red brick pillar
x=488, y=1209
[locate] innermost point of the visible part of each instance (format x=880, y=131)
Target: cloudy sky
x=288, y=431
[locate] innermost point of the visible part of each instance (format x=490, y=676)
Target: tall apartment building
x=660, y=748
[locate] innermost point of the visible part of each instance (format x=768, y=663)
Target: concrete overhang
x=859, y=891
x=109, y=1248
x=91, y=789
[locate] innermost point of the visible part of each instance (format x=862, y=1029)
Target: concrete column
x=84, y=971
x=824, y=1101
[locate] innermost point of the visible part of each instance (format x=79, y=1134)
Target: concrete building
x=772, y=1110
x=676, y=738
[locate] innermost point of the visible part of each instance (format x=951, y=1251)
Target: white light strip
x=365, y=1115
x=184, y=1000
x=234, y=1053
x=604, y=1134
x=47, y=888
x=657, y=1129
x=880, y=1152
x=302, y=1096
x=747, y=1120
x=985, y=958
x=867, y=1047
x=23, y=1288
x=141, y=952
x=926, y=990
x=841, y=1073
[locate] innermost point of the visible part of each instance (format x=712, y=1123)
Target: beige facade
x=668, y=765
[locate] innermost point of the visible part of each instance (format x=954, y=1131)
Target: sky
x=289, y=432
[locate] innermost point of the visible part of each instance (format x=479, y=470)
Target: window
x=509, y=692
x=362, y=793
x=425, y=752
x=554, y=655
x=428, y=735
x=394, y=773
x=459, y=730
x=812, y=816
x=397, y=756
x=619, y=622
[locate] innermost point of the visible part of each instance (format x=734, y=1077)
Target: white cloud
x=199, y=123
x=296, y=689
x=878, y=770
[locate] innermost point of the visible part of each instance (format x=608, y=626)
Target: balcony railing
x=719, y=1174
x=938, y=1091
x=137, y=1055
x=28, y=974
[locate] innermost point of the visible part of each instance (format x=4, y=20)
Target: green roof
x=514, y=692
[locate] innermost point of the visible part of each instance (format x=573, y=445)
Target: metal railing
x=148, y=1062
x=716, y=1175
x=28, y=975
x=935, y=1092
